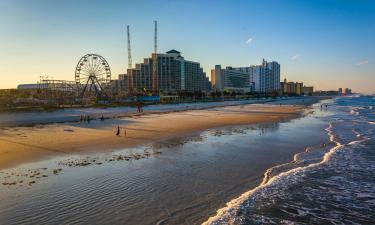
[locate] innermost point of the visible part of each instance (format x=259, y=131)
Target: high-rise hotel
x=174, y=74
x=264, y=78
x=230, y=79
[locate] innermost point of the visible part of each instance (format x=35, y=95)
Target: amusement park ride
x=92, y=78
x=92, y=75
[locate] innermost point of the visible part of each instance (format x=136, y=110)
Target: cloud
x=364, y=62
x=249, y=40
x=296, y=56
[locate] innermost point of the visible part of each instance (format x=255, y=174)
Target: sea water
x=336, y=186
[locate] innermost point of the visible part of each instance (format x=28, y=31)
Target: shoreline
x=29, y=144
x=70, y=115
x=316, y=155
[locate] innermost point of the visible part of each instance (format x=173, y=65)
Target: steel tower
x=155, y=62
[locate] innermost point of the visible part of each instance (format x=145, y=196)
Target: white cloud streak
x=364, y=62
x=296, y=56
x=249, y=40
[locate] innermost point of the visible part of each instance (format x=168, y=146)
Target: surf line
x=234, y=205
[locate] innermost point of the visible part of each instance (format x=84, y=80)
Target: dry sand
x=25, y=144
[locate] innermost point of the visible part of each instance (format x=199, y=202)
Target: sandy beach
x=26, y=144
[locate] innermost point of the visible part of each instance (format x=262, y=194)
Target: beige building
x=307, y=90
x=291, y=88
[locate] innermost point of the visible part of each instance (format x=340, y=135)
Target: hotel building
x=174, y=74
x=295, y=88
x=263, y=78
x=230, y=79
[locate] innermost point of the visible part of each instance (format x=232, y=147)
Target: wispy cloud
x=296, y=56
x=364, y=62
x=249, y=40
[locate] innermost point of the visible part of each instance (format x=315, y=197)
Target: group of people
x=119, y=129
x=118, y=133
x=85, y=118
x=323, y=106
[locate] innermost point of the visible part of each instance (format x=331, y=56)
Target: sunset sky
x=328, y=44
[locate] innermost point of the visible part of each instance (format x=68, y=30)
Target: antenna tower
x=129, y=50
x=155, y=62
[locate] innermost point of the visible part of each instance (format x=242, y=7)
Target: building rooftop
x=173, y=51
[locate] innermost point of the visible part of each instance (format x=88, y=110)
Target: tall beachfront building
x=273, y=84
x=264, y=78
x=230, y=79
x=174, y=74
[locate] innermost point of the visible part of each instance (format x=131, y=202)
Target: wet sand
x=27, y=144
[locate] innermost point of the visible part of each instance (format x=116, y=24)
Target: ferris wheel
x=92, y=74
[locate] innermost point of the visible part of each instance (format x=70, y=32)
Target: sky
x=327, y=44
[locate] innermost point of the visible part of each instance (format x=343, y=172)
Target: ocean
x=334, y=184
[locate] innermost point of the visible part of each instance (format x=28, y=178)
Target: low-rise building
x=291, y=88
x=31, y=86
x=348, y=91
x=307, y=90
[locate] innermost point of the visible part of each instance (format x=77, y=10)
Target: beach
x=199, y=160
x=32, y=118
x=24, y=144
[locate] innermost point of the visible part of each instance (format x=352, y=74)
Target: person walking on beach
x=140, y=107
x=118, y=131
x=321, y=107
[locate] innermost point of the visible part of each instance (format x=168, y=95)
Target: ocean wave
x=276, y=184
x=355, y=110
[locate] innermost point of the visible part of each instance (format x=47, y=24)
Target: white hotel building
x=263, y=78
